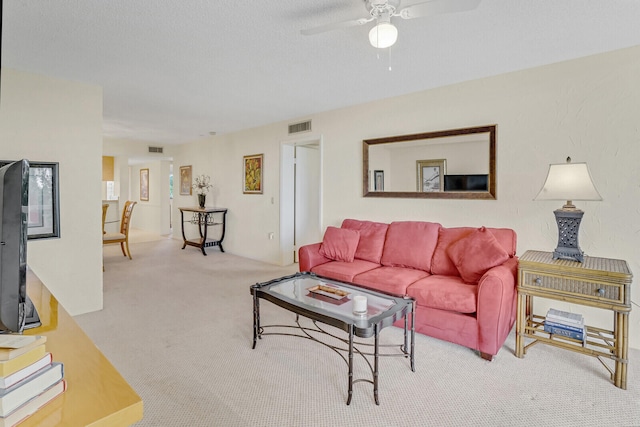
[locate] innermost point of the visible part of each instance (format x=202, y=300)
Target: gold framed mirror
x=447, y=164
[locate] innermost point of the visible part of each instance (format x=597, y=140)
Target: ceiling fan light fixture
x=383, y=35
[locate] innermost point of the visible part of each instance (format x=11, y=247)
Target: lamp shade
x=568, y=181
x=383, y=35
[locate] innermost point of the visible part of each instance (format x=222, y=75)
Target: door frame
x=287, y=192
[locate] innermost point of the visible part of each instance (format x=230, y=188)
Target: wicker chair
x=123, y=236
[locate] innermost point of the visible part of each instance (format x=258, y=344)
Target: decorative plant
x=202, y=184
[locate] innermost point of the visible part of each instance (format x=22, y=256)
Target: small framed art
x=430, y=175
x=43, y=217
x=144, y=185
x=378, y=180
x=185, y=180
x=252, y=174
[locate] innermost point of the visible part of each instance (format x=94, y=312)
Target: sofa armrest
x=496, y=311
x=309, y=256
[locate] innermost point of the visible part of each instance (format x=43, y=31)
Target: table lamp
x=568, y=181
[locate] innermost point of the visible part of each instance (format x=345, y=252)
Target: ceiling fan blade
x=436, y=7
x=335, y=26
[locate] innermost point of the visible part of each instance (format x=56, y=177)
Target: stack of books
x=29, y=378
x=566, y=324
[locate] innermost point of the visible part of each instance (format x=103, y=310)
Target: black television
x=16, y=309
x=466, y=183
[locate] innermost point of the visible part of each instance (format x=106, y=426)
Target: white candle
x=359, y=304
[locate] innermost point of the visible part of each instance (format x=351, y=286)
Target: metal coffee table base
x=406, y=349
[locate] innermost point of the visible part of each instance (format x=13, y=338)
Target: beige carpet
x=178, y=326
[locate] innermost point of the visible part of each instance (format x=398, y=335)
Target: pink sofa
x=463, y=279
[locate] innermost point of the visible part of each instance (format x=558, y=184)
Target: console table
x=596, y=282
x=96, y=395
x=204, y=218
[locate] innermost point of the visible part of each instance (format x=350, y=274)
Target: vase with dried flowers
x=202, y=187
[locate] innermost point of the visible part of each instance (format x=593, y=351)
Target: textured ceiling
x=173, y=71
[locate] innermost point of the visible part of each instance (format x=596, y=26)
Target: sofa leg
x=486, y=356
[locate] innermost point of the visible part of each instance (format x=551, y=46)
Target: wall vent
x=156, y=149
x=300, y=127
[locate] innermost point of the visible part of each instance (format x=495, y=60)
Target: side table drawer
x=573, y=286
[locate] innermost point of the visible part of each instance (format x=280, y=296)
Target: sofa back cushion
x=410, y=244
x=372, y=236
x=339, y=244
x=442, y=263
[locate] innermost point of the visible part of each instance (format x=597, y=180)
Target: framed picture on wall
x=378, y=180
x=252, y=174
x=430, y=175
x=144, y=185
x=43, y=217
x=185, y=180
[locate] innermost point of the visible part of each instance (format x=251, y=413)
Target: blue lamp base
x=568, y=221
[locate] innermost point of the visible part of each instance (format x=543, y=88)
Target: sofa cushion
x=343, y=271
x=449, y=293
x=339, y=244
x=507, y=239
x=441, y=262
x=394, y=280
x=476, y=253
x=410, y=244
x=372, y=236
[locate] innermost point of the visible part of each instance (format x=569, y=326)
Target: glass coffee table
x=331, y=302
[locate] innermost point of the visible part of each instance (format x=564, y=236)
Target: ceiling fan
x=384, y=33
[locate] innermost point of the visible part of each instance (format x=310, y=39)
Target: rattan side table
x=596, y=282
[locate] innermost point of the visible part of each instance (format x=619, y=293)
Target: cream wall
x=585, y=108
x=152, y=215
x=148, y=214
x=46, y=119
x=251, y=216
x=198, y=155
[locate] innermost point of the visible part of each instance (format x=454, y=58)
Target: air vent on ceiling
x=156, y=149
x=300, y=127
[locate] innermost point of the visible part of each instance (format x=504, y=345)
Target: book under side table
x=596, y=282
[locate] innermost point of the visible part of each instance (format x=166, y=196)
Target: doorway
x=301, y=196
